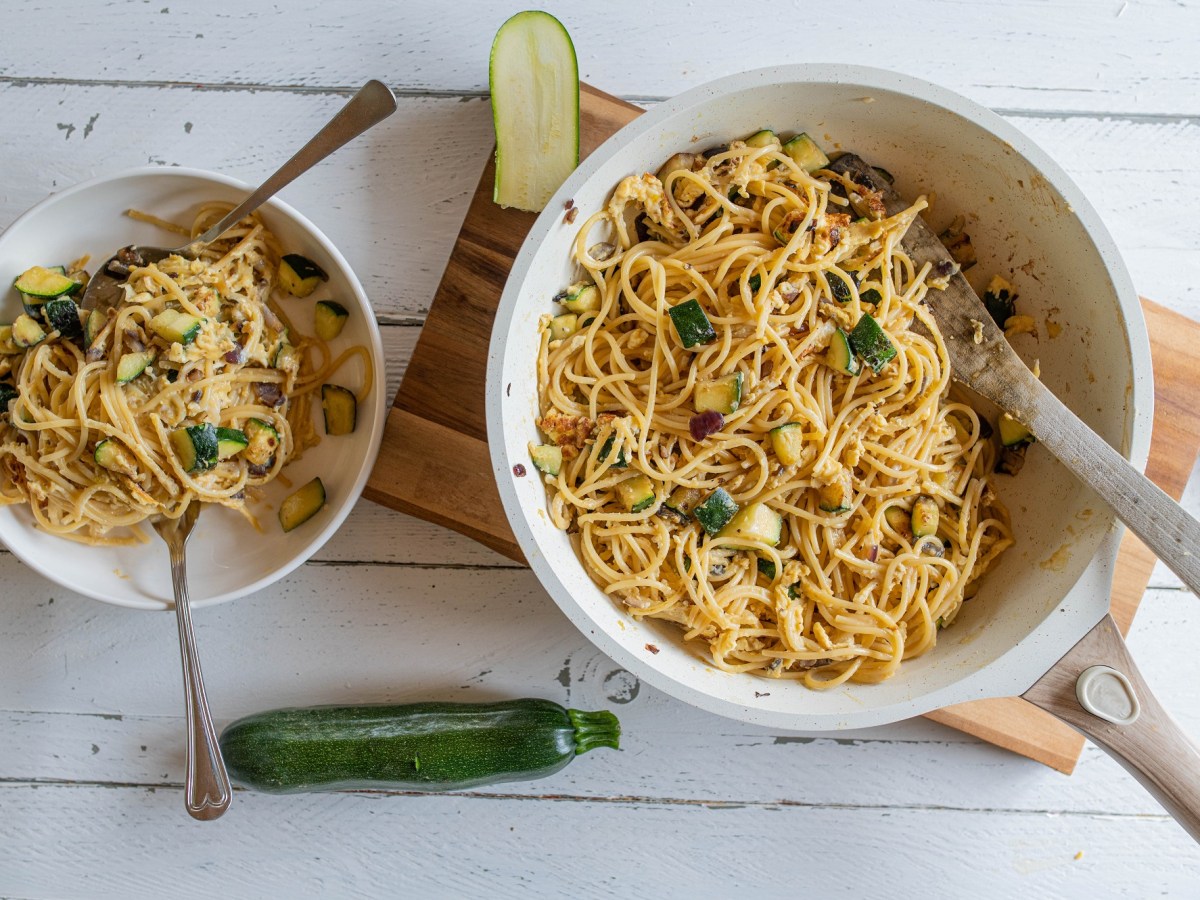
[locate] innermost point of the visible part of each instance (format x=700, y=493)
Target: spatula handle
x=1172, y=534
x=1097, y=690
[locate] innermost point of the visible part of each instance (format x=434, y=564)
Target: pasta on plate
x=749, y=427
x=194, y=387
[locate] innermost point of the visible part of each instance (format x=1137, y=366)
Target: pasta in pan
x=749, y=423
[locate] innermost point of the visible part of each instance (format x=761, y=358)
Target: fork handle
x=372, y=104
x=1161, y=523
x=206, y=783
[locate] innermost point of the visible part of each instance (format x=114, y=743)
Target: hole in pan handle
x=1098, y=691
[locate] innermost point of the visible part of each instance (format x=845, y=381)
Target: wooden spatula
x=981, y=358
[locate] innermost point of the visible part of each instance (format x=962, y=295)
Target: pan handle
x=1097, y=690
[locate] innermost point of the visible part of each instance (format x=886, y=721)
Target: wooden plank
x=1138, y=55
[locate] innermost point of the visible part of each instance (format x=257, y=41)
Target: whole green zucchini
x=415, y=746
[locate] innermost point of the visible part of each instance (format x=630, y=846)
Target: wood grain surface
x=394, y=608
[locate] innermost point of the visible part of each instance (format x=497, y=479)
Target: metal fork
x=206, y=784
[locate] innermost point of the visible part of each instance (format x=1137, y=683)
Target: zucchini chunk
x=691, y=324
x=682, y=501
x=723, y=395
x=925, y=516
x=837, y=496
x=8, y=393
x=788, y=442
x=44, y=283
x=230, y=442
x=765, y=138
x=840, y=357
x=636, y=493
x=340, y=408
x=805, y=153
x=870, y=295
x=175, y=327
x=716, y=511
x=196, y=447
x=302, y=505
x=580, y=297
x=329, y=319
x=263, y=441
x=838, y=288
x=871, y=342
x=299, y=275
x=562, y=327
x=93, y=325
x=621, y=461
x=900, y=521
x=7, y=346
x=756, y=522
x=26, y=332
x=1012, y=432
x=110, y=455
x=287, y=357
x=766, y=568
x=62, y=315
x=131, y=365
x=547, y=458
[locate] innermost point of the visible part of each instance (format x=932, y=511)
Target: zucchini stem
x=595, y=729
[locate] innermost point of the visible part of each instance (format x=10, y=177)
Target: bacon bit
x=569, y=433
x=873, y=553
x=519, y=470
x=236, y=356
x=570, y=203
x=704, y=424
x=269, y=393
x=571, y=214
x=651, y=648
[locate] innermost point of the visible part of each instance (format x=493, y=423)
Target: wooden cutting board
x=434, y=462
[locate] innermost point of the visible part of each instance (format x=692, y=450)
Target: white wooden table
x=393, y=609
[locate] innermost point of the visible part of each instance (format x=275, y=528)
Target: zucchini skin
x=414, y=746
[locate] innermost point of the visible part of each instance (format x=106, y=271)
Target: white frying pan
x=1039, y=627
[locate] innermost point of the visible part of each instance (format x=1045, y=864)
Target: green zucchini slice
x=840, y=356
x=925, y=516
x=131, y=365
x=562, y=327
x=44, y=283
x=196, y=447
x=682, y=501
x=8, y=393
x=340, y=408
x=93, y=325
x=766, y=568
x=262, y=442
x=716, y=511
x=534, y=81
x=756, y=522
x=723, y=395
x=8, y=347
x=110, y=455
x=871, y=342
x=329, y=319
x=230, y=442
x=299, y=275
x=580, y=297
x=62, y=315
x=1012, y=432
x=287, y=357
x=621, y=461
x=175, y=327
x=636, y=493
x=302, y=505
x=805, y=153
x=788, y=443
x=692, y=324
x=836, y=497
x=26, y=332
x=547, y=458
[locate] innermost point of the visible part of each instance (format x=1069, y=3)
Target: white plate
x=1028, y=220
x=227, y=557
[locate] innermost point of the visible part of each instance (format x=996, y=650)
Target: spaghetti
x=92, y=438
x=797, y=488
